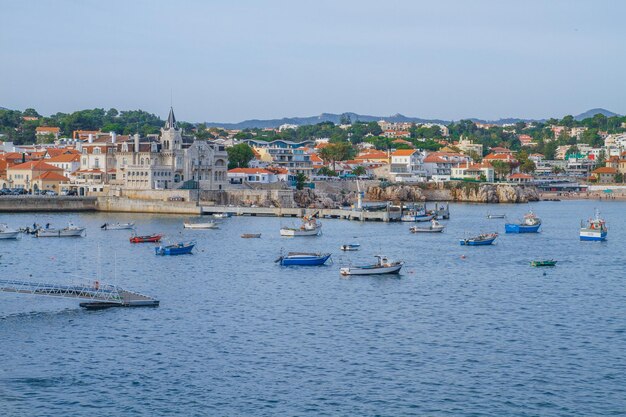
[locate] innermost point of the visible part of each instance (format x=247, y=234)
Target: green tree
x=359, y=170
x=301, y=179
x=334, y=152
x=239, y=156
x=501, y=169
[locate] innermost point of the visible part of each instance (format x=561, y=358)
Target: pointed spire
x=171, y=120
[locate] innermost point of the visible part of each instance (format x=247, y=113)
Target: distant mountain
x=324, y=117
x=593, y=112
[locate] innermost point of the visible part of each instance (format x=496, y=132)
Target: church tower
x=171, y=136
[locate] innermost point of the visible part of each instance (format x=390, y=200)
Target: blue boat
x=303, y=259
x=182, y=248
x=530, y=224
x=595, y=230
x=480, y=240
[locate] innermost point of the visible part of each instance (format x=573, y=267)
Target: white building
x=406, y=166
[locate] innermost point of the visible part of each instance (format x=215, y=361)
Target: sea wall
x=261, y=198
x=13, y=204
x=123, y=204
x=455, y=191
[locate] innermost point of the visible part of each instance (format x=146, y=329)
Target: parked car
x=51, y=192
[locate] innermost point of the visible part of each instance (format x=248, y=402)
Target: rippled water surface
x=237, y=334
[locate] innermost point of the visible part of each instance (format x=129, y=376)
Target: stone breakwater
x=459, y=191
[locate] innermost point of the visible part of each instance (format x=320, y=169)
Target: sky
x=227, y=61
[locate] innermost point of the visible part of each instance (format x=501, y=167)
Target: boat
x=350, y=247
x=117, y=226
x=480, y=240
x=251, y=235
x=435, y=227
x=496, y=216
x=309, y=227
x=442, y=213
x=181, y=248
x=206, y=225
x=547, y=262
x=303, y=259
x=382, y=266
x=69, y=231
x=594, y=230
x=417, y=215
x=146, y=239
x=222, y=215
x=530, y=224
x=8, y=233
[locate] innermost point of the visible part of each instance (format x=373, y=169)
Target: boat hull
x=349, y=248
x=146, y=239
x=469, y=242
x=420, y=218
x=251, y=235
x=60, y=232
x=304, y=260
x=127, y=226
x=9, y=235
x=299, y=232
x=357, y=270
x=519, y=228
x=174, y=250
x=437, y=229
x=200, y=225
x=592, y=235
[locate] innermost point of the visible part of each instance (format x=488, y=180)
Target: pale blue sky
x=233, y=60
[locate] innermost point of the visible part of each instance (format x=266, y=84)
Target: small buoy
x=462, y=256
x=544, y=274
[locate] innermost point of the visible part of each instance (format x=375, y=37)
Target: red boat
x=144, y=239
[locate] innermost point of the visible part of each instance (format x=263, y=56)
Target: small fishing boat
x=530, y=224
x=182, y=248
x=594, y=230
x=417, y=215
x=309, y=227
x=117, y=226
x=205, y=225
x=480, y=240
x=496, y=216
x=435, y=227
x=350, y=247
x=382, y=266
x=303, y=259
x=146, y=239
x=251, y=235
x=69, y=231
x=8, y=233
x=442, y=212
x=222, y=215
x=547, y=262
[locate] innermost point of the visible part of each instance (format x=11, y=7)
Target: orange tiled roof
x=403, y=152
x=51, y=176
x=64, y=158
x=249, y=171
x=36, y=165
x=605, y=170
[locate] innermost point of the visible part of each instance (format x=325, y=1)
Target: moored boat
x=181, y=248
x=530, y=224
x=480, y=240
x=251, y=235
x=547, y=262
x=303, y=259
x=146, y=239
x=595, y=230
x=417, y=215
x=309, y=227
x=382, y=266
x=205, y=225
x=350, y=247
x=442, y=212
x=435, y=227
x=117, y=226
x=8, y=233
x=222, y=215
x=496, y=216
x=69, y=231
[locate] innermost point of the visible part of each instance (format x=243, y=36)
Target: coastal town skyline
x=228, y=63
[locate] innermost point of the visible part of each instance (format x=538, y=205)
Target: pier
x=347, y=214
x=97, y=295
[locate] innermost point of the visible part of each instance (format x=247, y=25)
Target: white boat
x=595, y=230
x=382, y=266
x=350, y=247
x=69, y=231
x=7, y=233
x=222, y=215
x=417, y=216
x=117, y=226
x=496, y=216
x=206, y=225
x=435, y=227
x=309, y=227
